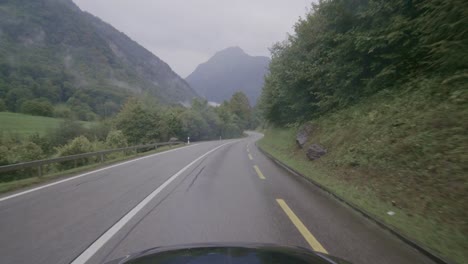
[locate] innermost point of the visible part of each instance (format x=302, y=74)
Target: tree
x=3, y=106
x=40, y=107
x=78, y=145
x=240, y=106
x=347, y=50
x=66, y=131
x=25, y=151
x=138, y=124
x=193, y=125
x=15, y=97
x=116, y=139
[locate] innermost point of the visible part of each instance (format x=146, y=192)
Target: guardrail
x=99, y=154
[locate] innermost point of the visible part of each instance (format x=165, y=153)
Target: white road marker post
x=188, y=140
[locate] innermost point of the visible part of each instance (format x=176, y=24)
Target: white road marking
x=87, y=173
x=102, y=240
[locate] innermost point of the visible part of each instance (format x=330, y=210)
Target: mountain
x=228, y=71
x=50, y=49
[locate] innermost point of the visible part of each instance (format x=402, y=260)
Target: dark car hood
x=228, y=253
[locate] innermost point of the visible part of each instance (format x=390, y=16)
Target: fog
x=186, y=33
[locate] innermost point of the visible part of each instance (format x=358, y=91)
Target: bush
x=38, y=107
x=78, y=145
x=62, y=111
x=66, y=131
x=4, y=156
x=98, y=131
x=139, y=124
x=43, y=142
x=26, y=151
x=20, y=152
x=3, y=107
x=116, y=139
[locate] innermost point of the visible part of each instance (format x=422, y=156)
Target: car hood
x=228, y=253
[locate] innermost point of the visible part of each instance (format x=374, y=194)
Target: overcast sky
x=185, y=33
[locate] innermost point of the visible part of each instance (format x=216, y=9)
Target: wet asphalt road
x=219, y=197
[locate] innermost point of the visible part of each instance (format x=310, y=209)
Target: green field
x=24, y=125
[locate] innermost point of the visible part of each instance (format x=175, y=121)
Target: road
x=219, y=191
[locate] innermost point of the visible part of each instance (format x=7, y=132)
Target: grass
x=402, y=153
x=28, y=182
x=25, y=125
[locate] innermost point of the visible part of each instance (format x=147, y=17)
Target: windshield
x=333, y=128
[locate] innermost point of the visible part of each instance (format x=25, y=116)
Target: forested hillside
x=56, y=60
x=381, y=89
x=344, y=51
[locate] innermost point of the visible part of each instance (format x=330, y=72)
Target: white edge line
x=90, y=172
x=104, y=238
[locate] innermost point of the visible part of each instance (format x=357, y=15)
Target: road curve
x=219, y=191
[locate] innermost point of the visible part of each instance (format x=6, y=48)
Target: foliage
x=116, y=139
x=67, y=130
x=12, y=151
x=26, y=151
x=240, y=106
x=77, y=146
x=3, y=106
x=62, y=111
x=40, y=107
x=4, y=155
x=346, y=50
x=140, y=125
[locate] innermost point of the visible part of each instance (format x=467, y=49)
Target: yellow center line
x=250, y=157
x=259, y=173
x=314, y=244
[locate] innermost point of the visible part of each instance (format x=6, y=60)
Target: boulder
x=303, y=134
x=315, y=151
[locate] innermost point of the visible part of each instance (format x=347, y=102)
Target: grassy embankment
x=25, y=125
x=404, y=153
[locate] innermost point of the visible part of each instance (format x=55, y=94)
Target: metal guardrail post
x=39, y=170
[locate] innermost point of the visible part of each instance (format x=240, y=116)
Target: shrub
x=40, y=107
x=116, y=139
x=4, y=156
x=66, y=131
x=98, y=131
x=62, y=111
x=26, y=151
x=22, y=152
x=43, y=142
x=78, y=145
x=3, y=107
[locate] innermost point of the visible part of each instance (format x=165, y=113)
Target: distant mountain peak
x=232, y=50
x=228, y=71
